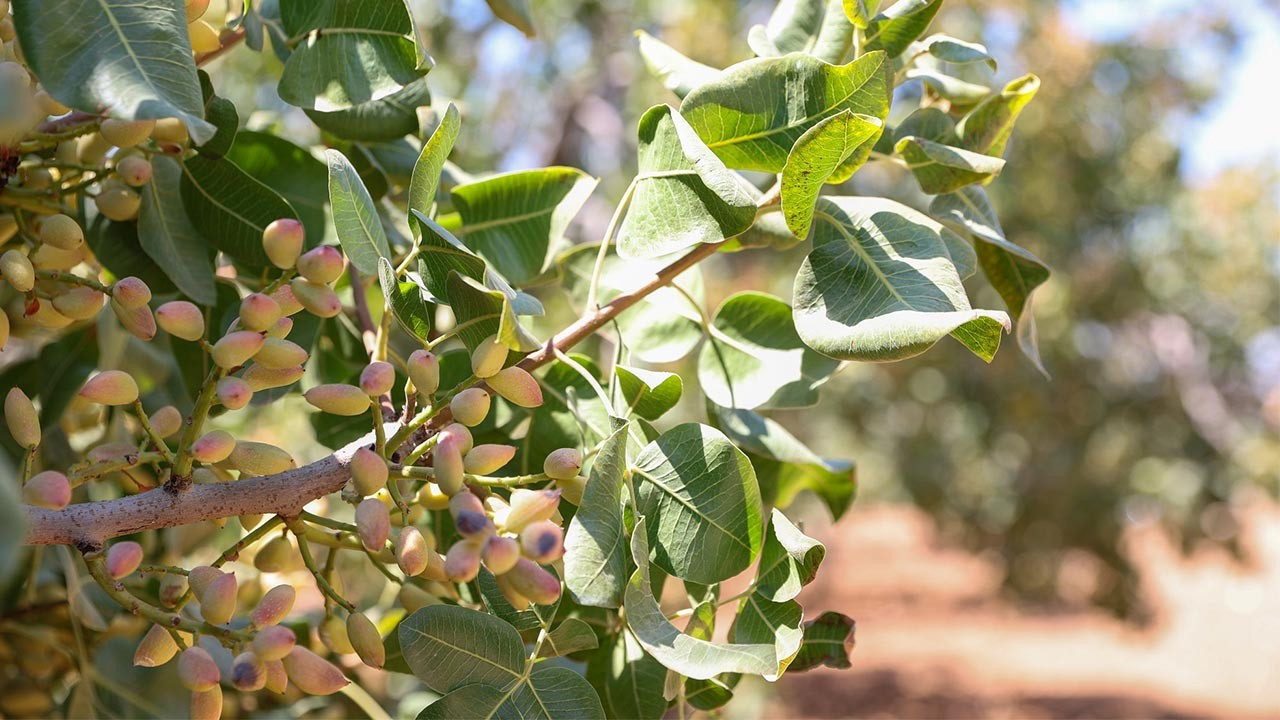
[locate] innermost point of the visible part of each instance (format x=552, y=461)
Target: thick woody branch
x=88, y=525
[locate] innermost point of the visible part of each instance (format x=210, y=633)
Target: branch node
x=177, y=484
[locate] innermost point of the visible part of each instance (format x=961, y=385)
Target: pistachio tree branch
x=88, y=525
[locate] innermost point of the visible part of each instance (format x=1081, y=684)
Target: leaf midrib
x=690, y=507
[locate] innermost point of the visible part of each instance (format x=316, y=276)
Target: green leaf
x=129, y=58
x=516, y=220
x=352, y=52
x=700, y=495
x=678, y=73
x=230, y=208
x=595, y=560
x=880, y=285
x=741, y=120
x=56, y=374
x=117, y=247
x=829, y=152
x=664, y=326
x=987, y=127
x=355, y=217
x=487, y=312
x=406, y=302
x=828, y=641
x=762, y=621
x=628, y=680
x=899, y=25
x=426, y=171
x=959, y=92
x=817, y=27
x=1014, y=272
x=929, y=123
x=494, y=601
x=448, y=646
x=769, y=231
x=550, y=693
x=220, y=112
x=942, y=168
x=289, y=170
x=570, y=636
x=689, y=656
x=168, y=236
x=860, y=12
x=953, y=50
x=515, y=13
x=754, y=358
x=649, y=393
x=440, y=253
x=682, y=195
x=387, y=118
x=789, y=560
x=479, y=661
x=784, y=465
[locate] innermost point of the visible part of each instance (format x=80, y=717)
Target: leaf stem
x=598, y=271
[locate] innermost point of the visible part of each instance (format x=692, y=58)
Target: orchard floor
x=937, y=640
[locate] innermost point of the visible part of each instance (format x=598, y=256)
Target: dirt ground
x=935, y=639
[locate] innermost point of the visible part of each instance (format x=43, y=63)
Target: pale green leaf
x=426, y=171
x=169, y=237
x=516, y=221
x=829, y=152
x=860, y=12
x=128, y=58
x=689, y=656
x=760, y=620
x=987, y=127
x=959, y=92
x=700, y=495
x=230, y=208
x=478, y=662
x=894, y=29
x=570, y=636
x=942, y=169
x=682, y=195
x=355, y=217
x=817, y=27
x=880, y=285
x=740, y=119
x=1013, y=271
x=595, y=561
x=789, y=560
x=448, y=646
x=754, y=357
x=649, y=393
x=678, y=73
x=954, y=50
x=628, y=680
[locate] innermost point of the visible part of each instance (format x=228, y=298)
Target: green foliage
x=605, y=441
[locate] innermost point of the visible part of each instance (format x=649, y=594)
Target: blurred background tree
x=1131, y=175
